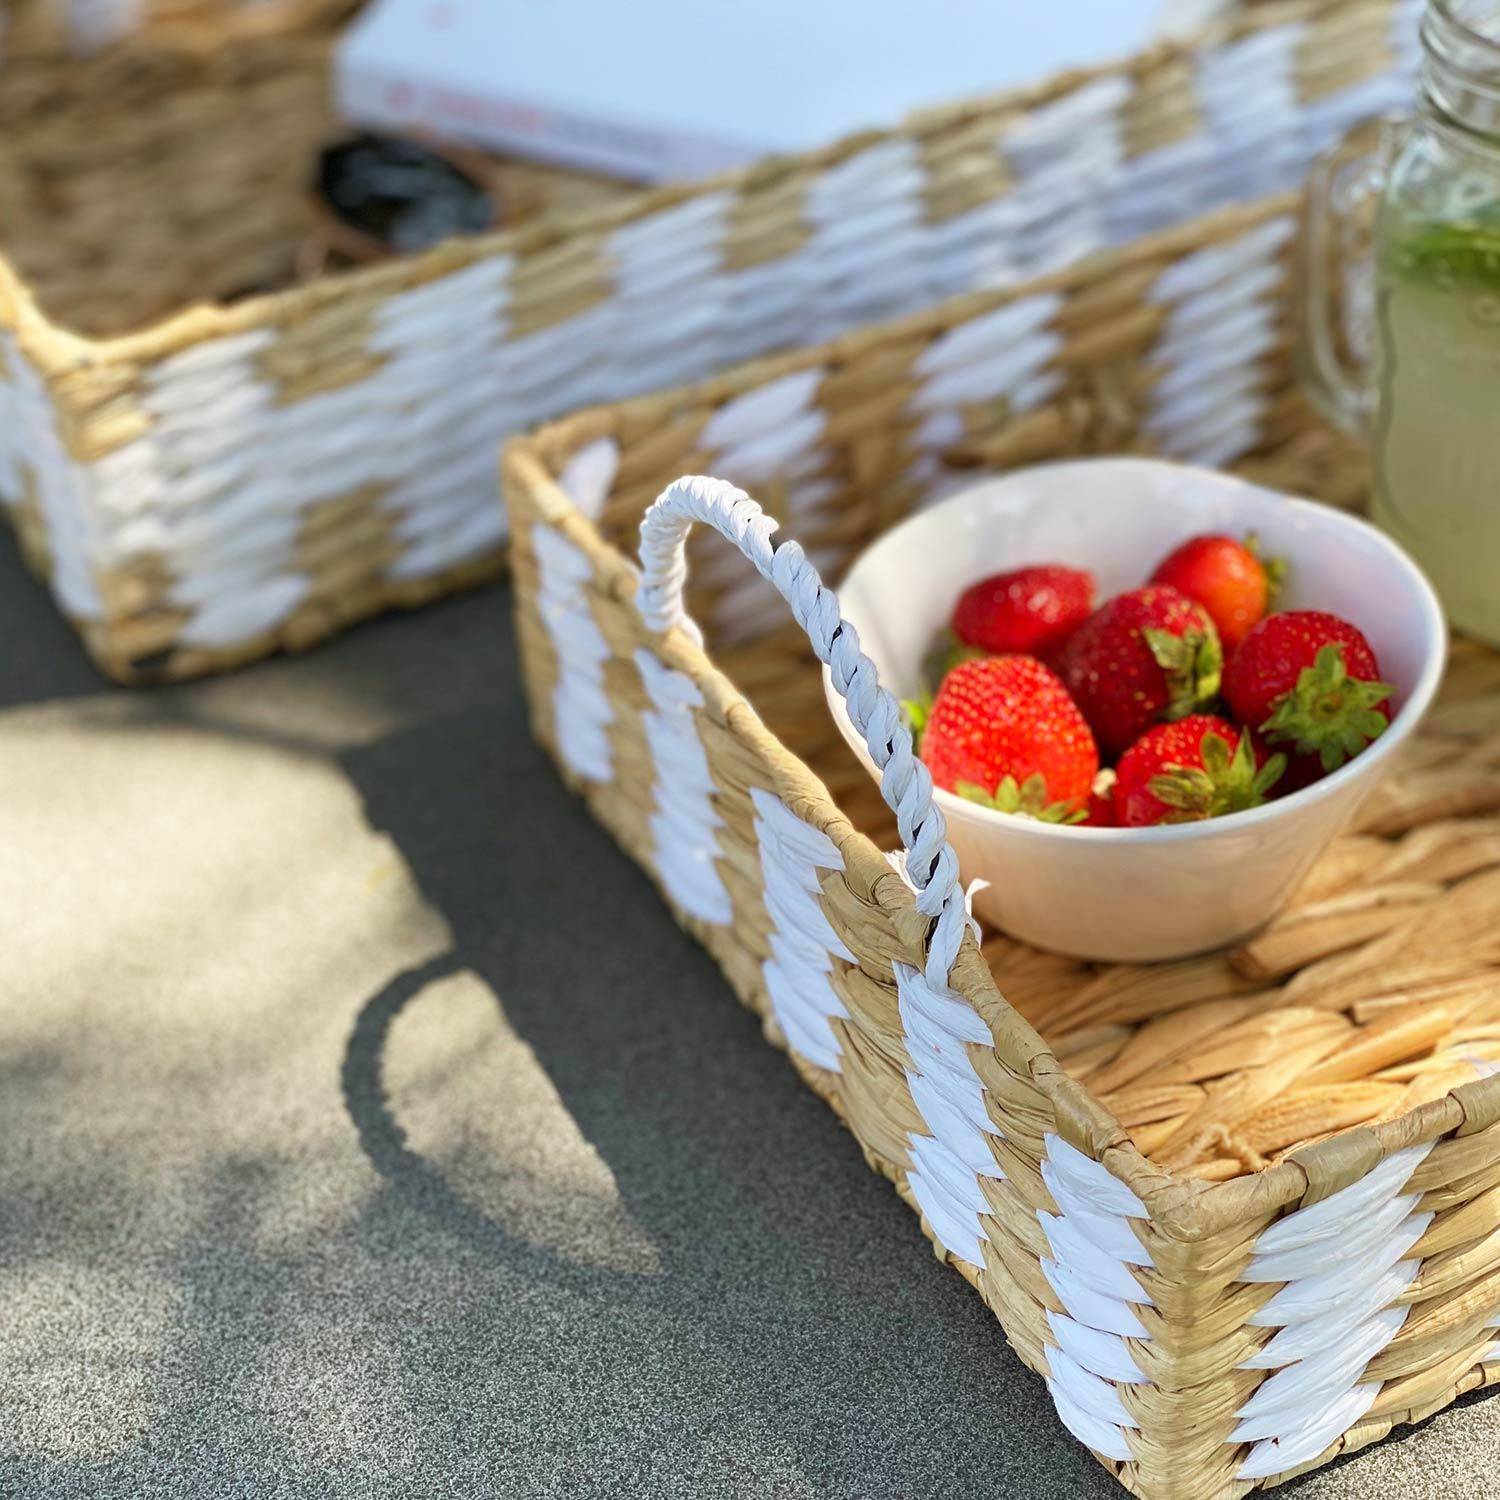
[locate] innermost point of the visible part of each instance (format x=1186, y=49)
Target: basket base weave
x=1376, y=990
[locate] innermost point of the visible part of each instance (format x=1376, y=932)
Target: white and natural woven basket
x=1241, y=1212
x=203, y=486
x=52, y=28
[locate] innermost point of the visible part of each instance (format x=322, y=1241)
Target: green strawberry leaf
x=1192, y=663
x=1223, y=784
x=1275, y=569
x=915, y=712
x=945, y=653
x=1026, y=800
x=1329, y=713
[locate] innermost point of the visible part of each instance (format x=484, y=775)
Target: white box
x=666, y=89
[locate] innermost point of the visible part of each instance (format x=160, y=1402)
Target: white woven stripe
x=764, y=410
x=589, y=473
x=1093, y=1248
x=1104, y=1354
x=988, y=358
x=1102, y=1437
x=1066, y=155
x=1343, y=1263
x=31, y=445
x=581, y=709
x=952, y=1156
x=1087, y=1271
x=1309, y=1432
x=684, y=821
x=793, y=858
x=1224, y=314
x=1250, y=101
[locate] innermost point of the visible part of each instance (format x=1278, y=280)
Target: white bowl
x=1137, y=894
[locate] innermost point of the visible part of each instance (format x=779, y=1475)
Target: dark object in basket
x=382, y=195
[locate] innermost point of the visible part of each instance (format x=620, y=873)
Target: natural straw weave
x=1243, y=1212
x=205, y=485
x=54, y=28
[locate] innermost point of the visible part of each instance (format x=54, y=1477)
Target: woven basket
x=1242, y=1212
x=203, y=486
x=53, y=28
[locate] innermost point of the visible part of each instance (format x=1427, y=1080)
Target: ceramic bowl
x=1138, y=894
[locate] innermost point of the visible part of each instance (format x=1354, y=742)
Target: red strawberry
x=1003, y=731
x=1101, y=808
x=1227, y=578
x=1032, y=610
x=1199, y=767
x=1308, y=683
x=1147, y=655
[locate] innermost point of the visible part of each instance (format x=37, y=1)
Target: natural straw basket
x=54, y=28
x=1242, y=1212
x=203, y=486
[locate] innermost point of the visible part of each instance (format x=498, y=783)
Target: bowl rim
x=1411, y=712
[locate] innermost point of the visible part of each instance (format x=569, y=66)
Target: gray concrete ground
x=367, y=1128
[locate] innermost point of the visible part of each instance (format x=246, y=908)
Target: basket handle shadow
x=384, y=1142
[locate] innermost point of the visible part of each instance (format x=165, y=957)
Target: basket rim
x=57, y=349
x=1185, y=1208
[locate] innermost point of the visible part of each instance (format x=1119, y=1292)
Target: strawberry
x=1003, y=732
x=1198, y=767
x=1146, y=655
x=1101, y=808
x=1032, y=610
x=1228, y=578
x=1308, y=683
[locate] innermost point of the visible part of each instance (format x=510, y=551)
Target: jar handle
x=905, y=783
x=1336, y=275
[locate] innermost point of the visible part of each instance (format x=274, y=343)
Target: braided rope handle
x=905, y=782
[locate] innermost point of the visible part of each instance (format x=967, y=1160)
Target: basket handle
x=905, y=782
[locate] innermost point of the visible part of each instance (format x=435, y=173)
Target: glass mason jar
x=1424, y=381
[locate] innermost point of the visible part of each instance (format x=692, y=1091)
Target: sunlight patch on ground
x=478, y=1105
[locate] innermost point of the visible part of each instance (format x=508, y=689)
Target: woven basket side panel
x=135, y=184
x=333, y=468
x=942, y=1100
x=336, y=460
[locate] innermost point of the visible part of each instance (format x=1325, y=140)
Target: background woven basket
x=204, y=484
x=31, y=29
x=1242, y=1212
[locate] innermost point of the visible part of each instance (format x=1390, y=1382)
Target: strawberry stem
x=916, y=712
x=945, y=653
x=1027, y=799
x=1274, y=568
x=1192, y=663
x=1223, y=784
x=1329, y=713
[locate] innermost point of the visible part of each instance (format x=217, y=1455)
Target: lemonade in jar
x=1429, y=399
